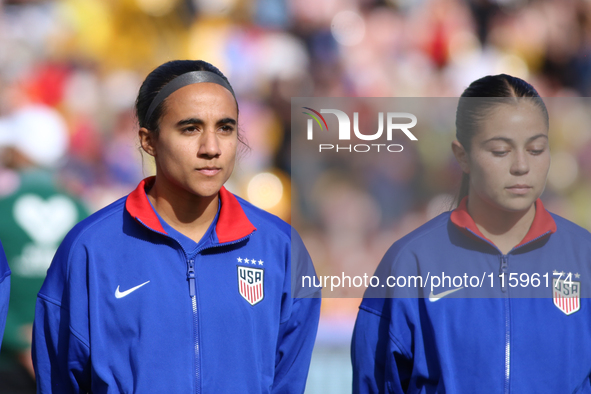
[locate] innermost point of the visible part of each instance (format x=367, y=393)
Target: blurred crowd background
x=84, y=60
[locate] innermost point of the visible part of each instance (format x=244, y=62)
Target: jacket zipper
x=193, y=295
x=191, y=278
x=504, y=272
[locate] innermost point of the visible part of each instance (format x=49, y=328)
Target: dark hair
x=477, y=101
x=157, y=79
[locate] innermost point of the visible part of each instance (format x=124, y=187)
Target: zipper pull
x=191, y=277
x=504, y=272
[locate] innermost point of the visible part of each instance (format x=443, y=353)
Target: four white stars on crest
x=251, y=261
x=577, y=275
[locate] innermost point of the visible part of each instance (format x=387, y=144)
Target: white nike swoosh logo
x=121, y=294
x=433, y=297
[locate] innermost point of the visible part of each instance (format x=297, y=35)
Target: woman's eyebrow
x=510, y=140
x=231, y=121
x=189, y=121
x=535, y=137
x=198, y=121
x=504, y=139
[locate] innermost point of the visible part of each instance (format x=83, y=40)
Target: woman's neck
x=187, y=213
x=505, y=229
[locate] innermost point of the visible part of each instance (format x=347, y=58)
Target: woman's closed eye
x=500, y=152
x=537, y=151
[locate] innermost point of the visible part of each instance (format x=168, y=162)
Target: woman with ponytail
x=477, y=325
x=180, y=286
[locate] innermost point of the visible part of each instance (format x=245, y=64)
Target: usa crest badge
x=567, y=295
x=250, y=284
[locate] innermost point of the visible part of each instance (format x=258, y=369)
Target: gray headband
x=184, y=80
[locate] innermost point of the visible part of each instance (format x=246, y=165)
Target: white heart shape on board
x=45, y=221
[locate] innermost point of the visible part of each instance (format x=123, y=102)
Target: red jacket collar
x=543, y=222
x=232, y=223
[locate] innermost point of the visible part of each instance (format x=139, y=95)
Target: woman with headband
x=179, y=287
x=528, y=328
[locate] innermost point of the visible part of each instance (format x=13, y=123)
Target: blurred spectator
x=36, y=214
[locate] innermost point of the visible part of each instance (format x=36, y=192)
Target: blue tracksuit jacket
x=521, y=339
x=125, y=308
x=4, y=290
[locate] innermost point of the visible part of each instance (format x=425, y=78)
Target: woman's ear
x=461, y=156
x=147, y=141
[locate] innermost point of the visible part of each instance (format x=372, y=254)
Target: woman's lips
x=519, y=189
x=209, y=171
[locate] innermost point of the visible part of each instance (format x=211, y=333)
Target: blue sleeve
x=300, y=313
x=380, y=365
x=294, y=348
x=4, y=291
x=304, y=282
x=61, y=352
